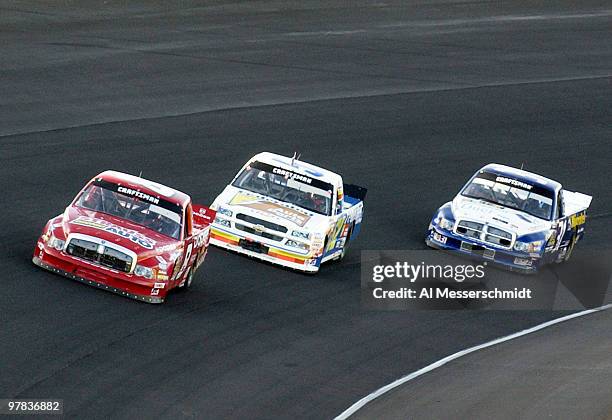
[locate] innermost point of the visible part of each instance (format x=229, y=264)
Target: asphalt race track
x=561, y=370
x=406, y=99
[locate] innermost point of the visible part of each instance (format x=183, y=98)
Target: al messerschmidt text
x=447, y=293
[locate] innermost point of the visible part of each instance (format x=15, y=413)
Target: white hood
x=514, y=221
x=256, y=205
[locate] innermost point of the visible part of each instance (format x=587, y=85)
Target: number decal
x=185, y=262
x=337, y=230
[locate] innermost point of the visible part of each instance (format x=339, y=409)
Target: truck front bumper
x=503, y=258
x=263, y=251
x=87, y=273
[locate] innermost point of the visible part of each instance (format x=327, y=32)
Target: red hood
x=141, y=240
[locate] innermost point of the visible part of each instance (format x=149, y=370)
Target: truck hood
x=241, y=201
x=144, y=242
x=510, y=220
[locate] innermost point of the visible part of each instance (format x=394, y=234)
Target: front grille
x=484, y=233
x=265, y=223
x=498, y=237
x=470, y=229
x=262, y=234
x=110, y=257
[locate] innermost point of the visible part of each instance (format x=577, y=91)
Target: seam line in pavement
x=381, y=391
x=273, y=103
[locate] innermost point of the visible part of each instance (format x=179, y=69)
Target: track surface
x=406, y=100
x=561, y=371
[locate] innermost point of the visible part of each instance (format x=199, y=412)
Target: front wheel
x=570, y=249
x=567, y=253
x=346, y=242
x=188, y=280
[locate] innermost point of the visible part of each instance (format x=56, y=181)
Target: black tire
x=346, y=242
x=568, y=251
x=325, y=243
x=189, y=280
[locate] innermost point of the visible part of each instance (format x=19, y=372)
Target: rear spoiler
x=202, y=215
x=355, y=191
x=575, y=202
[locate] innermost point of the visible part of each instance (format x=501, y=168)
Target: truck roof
x=522, y=175
x=299, y=166
x=144, y=185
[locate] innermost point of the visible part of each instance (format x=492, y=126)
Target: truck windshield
x=509, y=192
x=151, y=212
x=288, y=186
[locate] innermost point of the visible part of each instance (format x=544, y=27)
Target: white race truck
x=287, y=212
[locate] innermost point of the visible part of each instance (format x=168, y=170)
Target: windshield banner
x=516, y=183
x=304, y=179
x=130, y=192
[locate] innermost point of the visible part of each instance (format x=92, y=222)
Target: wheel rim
x=346, y=242
x=189, y=278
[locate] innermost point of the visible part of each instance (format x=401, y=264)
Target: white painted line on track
x=381, y=391
x=498, y=19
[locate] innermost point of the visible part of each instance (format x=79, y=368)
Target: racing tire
x=189, y=280
x=568, y=251
x=346, y=242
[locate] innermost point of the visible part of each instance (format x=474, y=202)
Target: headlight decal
x=443, y=222
x=142, y=271
x=56, y=243
x=296, y=244
x=535, y=246
x=223, y=222
x=225, y=211
x=302, y=235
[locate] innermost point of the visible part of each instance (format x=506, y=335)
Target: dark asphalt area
x=562, y=372
x=406, y=99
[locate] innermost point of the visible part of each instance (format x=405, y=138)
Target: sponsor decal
x=513, y=182
x=139, y=194
x=131, y=192
x=200, y=239
x=578, y=219
x=271, y=209
x=540, y=189
x=167, y=248
x=295, y=176
x=335, y=234
x=132, y=235
x=439, y=238
x=159, y=285
x=154, y=292
x=292, y=175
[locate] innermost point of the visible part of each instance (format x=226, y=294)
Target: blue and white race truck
x=511, y=217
